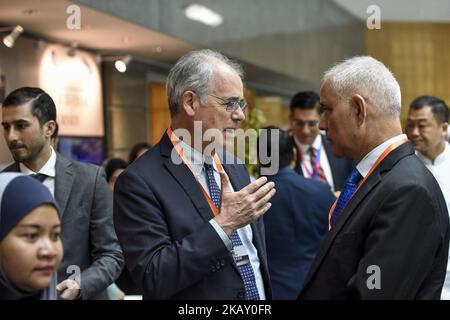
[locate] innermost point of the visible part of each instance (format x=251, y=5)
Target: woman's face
x=32, y=251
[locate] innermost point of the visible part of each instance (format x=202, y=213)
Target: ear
x=359, y=108
x=49, y=127
x=444, y=129
x=188, y=101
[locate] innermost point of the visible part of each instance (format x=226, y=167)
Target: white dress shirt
x=197, y=161
x=440, y=169
x=324, y=163
x=369, y=160
x=48, y=169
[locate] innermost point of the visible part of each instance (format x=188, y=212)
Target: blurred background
x=105, y=62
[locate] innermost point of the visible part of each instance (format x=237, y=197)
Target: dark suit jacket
x=161, y=218
x=87, y=235
x=397, y=221
x=295, y=225
x=340, y=167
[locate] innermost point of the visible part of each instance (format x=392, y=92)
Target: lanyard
x=380, y=158
x=176, y=144
x=314, y=173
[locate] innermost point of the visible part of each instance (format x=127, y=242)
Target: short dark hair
x=438, y=107
x=135, y=150
x=305, y=100
x=285, y=143
x=43, y=106
x=112, y=165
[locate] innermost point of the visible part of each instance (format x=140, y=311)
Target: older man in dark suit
x=186, y=215
x=92, y=255
x=389, y=232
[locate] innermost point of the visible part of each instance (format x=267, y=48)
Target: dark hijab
x=19, y=195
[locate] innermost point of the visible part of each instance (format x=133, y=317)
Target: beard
x=32, y=153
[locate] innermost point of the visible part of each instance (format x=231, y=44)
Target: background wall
x=418, y=54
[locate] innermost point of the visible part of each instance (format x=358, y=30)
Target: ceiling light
x=203, y=14
x=121, y=65
x=11, y=38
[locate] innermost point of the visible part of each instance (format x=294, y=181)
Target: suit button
x=241, y=295
x=218, y=265
x=222, y=262
x=213, y=268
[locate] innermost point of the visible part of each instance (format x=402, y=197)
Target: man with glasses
x=313, y=152
x=188, y=218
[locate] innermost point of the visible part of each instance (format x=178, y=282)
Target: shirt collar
x=317, y=144
x=196, y=158
x=440, y=159
x=369, y=160
x=48, y=169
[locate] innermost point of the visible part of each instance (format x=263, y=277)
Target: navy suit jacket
x=394, y=229
x=340, y=167
x=295, y=225
x=162, y=221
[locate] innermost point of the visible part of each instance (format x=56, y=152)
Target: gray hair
x=370, y=78
x=194, y=71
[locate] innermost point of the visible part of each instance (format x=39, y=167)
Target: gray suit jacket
x=88, y=235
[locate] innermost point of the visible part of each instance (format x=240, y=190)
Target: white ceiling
x=401, y=10
x=106, y=34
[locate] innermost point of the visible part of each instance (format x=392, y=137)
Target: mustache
x=16, y=145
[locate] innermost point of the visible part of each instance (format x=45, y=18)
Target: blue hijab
x=19, y=195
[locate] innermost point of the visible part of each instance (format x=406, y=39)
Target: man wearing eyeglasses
x=315, y=160
x=187, y=216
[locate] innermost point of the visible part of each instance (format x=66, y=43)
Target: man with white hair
x=389, y=228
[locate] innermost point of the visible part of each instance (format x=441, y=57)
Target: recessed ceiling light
x=203, y=14
x=158, y=49
x=30, y=12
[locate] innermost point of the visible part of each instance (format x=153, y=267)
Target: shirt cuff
x=222, y=234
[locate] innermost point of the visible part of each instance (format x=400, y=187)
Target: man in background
x=85, y=202
x=297, y=222
x=314, y=157
x=427, y=129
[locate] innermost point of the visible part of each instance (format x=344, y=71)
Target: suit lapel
x=371, y=182
x=64, y=179
x=185, y=178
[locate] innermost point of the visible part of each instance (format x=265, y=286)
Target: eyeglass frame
x=232, y=105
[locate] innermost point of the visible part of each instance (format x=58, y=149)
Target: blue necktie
x=39, y=176
x=347, y=192
x=246, y=270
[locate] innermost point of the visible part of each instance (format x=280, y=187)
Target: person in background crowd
x=189, y=220
x=138, y=150
x=389, y=233
x=427, y=128
x=92, y=258
x=297, y=222
x=113, y=168
x=315, y=160
x=30, y=246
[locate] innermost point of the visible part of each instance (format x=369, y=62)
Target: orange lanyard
x=176, y=144
x=380, y=158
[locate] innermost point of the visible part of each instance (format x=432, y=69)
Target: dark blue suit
x=295, y=226
x=161, y=219
x=340, y=167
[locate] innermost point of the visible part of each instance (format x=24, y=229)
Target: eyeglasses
x=301, y=123
x=232, y=105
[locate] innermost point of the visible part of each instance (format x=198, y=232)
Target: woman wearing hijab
x=30, y=247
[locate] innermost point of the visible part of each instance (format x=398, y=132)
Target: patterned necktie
x=246, y=270
x=317, y=170
x=351, y=184
x=39, y=176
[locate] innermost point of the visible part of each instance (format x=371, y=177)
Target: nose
x=413, y=131
x=238, y=115
x=323, y=123
x=47, y=248
x=11, y=134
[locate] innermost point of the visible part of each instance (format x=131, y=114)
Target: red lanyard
x=176, y=144
x=380, y=158
x=315, y=167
